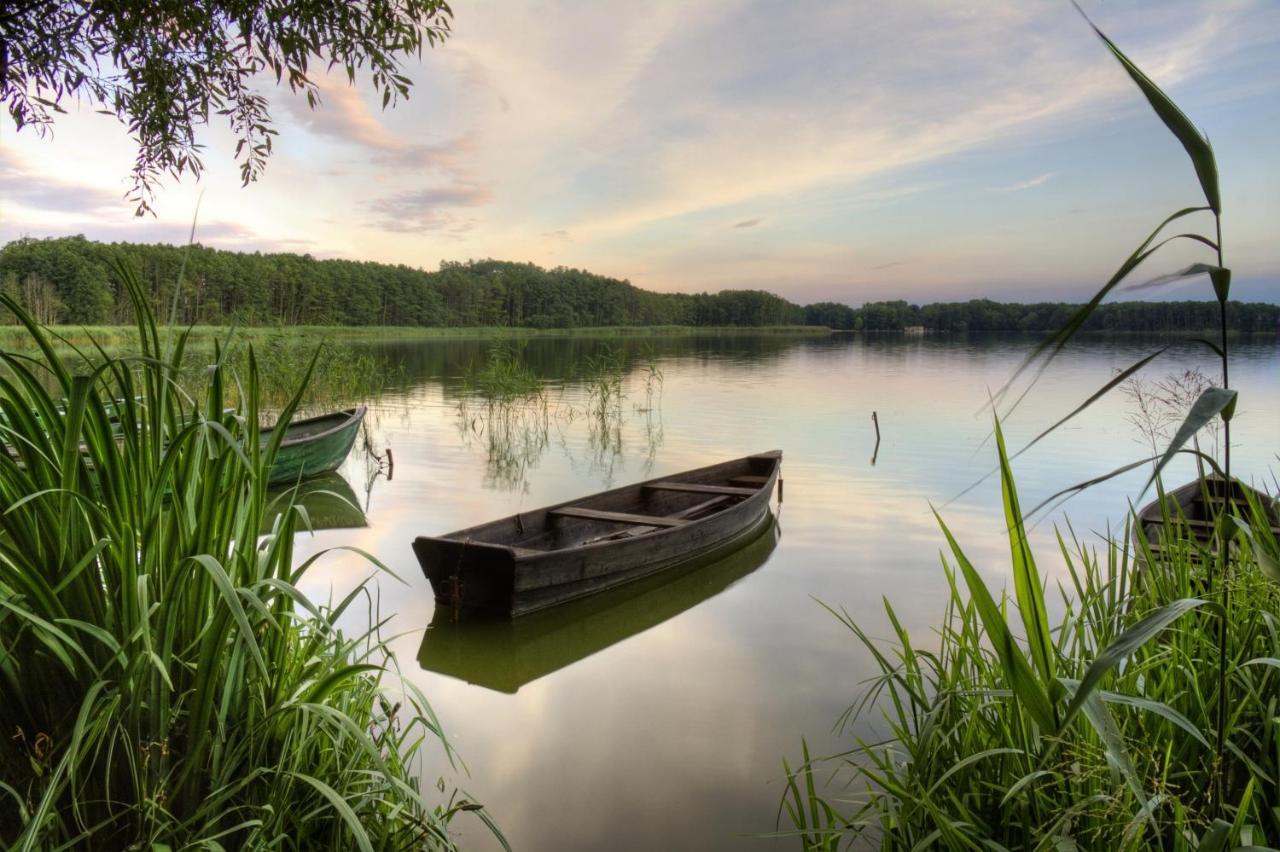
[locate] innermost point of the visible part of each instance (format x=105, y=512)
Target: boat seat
x=641, y=529
x=701, y=489
x=749, y=480
x=617, y=517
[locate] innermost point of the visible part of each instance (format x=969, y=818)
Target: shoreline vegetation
x=168, y=683
x=1143, y=715
x=115, y=337
x=69, y=281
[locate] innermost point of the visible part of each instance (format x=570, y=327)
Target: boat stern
x=467, y=574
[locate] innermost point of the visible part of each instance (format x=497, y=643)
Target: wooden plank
x=617, y=517
x=750, y=480
x=695, y=488
x=632, y=532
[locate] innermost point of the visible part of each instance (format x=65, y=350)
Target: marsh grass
x=1148, y=715
x=603, y=374
x=1116, y=750
x=118, y=338
x=340, y=374
x=166, y=682
x=504, y=376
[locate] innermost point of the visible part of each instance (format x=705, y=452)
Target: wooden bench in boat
x=617, y=517
x=695, y=488
x=641, y=529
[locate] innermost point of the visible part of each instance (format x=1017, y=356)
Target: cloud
x=1026, y=184
x=475, y=78
x=675, y=114
x=429, y=209
x=747, y=223
x=39, y=191
x=343, y=114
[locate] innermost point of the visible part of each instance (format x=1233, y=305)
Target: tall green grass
x=1096, y=731
x=166, y=684
x=504, y=376
x=1147, y=716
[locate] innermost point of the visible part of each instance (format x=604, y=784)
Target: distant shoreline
x=115, y=337
x=109, y=336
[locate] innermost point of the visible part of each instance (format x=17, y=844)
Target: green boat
x=314, y=445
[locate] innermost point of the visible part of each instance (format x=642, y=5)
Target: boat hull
x=505, y=654
x=1191, y=518
x=314, y=446
x=538, y=559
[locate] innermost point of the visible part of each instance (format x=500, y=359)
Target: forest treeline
x=69, y=280
x=979, y=315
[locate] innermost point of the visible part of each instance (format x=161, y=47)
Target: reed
x=603, y=374
x=167, y=684
x=1147, y=716
x=1113, y=747
x=504, y=376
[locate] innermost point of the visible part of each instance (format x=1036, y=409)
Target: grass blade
x=1126, y=644
x=1193, y=141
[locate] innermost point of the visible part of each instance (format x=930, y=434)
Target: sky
x=845, y=151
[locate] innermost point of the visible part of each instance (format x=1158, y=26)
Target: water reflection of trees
x=563, y=360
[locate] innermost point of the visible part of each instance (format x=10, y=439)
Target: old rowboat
x=537, y=559
x=1192, y=510
x=314, y=445
x=504, y=654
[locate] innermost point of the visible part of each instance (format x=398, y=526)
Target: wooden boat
x=310, y=447
x=504, y=654
x=314, y=445
x=537, y=559
x=1191, y=511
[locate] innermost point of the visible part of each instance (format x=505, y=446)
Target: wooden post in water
x=876, y=422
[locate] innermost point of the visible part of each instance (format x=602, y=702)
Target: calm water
x=659, y=716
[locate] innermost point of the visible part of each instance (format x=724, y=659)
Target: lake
x=658, y=716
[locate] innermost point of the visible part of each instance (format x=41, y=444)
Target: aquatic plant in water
x=1144, y=717
x=166, y=682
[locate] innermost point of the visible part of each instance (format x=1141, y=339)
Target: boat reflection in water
x=504, y=654
x=329, y=500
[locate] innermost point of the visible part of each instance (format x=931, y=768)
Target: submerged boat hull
x=314, y=446
x=538, y=559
